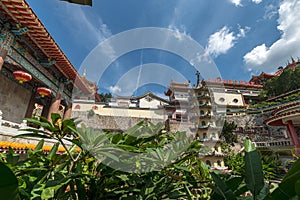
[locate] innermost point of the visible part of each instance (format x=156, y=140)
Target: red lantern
x=43, y=91
x=22, y=76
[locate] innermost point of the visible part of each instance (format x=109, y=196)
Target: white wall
x=122, y=112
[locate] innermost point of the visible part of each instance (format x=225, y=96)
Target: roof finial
x=293, y=61
x=198, y=79
x=84, y=73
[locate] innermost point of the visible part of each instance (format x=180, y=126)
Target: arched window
x=77, y=107
x=203, y=123
x=219, y=163
x=204, y=135
x=201, y=112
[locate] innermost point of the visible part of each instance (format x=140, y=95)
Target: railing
x=273, y=143
x=9, y=129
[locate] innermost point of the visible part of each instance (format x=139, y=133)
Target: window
x=201, y=112
x=213, y=135
x=77, y=107
x=219, y=163
x=235, y=100
x=203, y=123
x=208, y=162
x=222, y=99
x=204, y=136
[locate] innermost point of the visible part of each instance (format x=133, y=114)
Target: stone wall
x=14, y=99
x=109, y=122
x=256, y=120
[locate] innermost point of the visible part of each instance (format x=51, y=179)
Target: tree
x=105, y=96
x=287, y=81
x=228, y=132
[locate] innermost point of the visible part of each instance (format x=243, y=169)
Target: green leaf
x=53, y=151
x=39, y=146
x=11, y=157
x=297, y=187
x=234, y=183
x=226, y=192
x=80, y=190
x=8, y=183
x=287, y=187
x=47, y=193
x=55, y=117
x=254, y=176
x=133, y=130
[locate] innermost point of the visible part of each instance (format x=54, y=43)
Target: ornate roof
x=40, y=39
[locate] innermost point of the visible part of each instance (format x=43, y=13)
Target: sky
x=240, y=38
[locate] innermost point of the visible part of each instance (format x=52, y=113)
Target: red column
x=68, y=111
x=293, y=134
x=30, y=106
x=54, y=107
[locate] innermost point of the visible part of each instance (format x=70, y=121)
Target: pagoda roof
x=263, y=75
x=40, y=39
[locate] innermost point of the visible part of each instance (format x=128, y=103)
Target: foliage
x=8, y=183
x=235, y=187
x=228, y=132
x=105, y=96
x=287, y=81
x=91, y=113
x=79, y=175
x=86, y=174
x=235, y=163
x=272, y=166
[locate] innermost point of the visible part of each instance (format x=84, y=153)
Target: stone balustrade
x=273, y=143
x=9, y=129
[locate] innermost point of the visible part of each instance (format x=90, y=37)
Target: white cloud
x=270, y=11
x=239, y=2
x=257, y=1
x=223, y=40
x=269, y=58
x=257, y=56
x=179, y=33
x=115, y=89
x=236, y=2
x=243, y=31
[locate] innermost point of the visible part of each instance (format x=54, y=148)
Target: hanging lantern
x=22, y=76
x=43, y=91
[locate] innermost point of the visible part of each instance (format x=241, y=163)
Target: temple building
x=121, y=112
x=36, y=77
x=288, y=116
x=263, y=77
x=178, y=94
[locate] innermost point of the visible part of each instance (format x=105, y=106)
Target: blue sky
x=242, y=37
